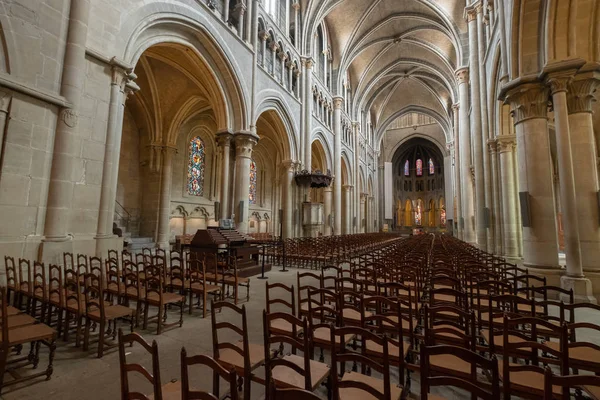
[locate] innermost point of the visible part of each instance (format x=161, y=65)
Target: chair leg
x=191, y=302
x=3, y=358
x=247, y=381
x=59, y=322
x=66, y=327
x=78, y=331
x=159, y=321
x=101, y=338
x=50, y=368
x=86, y=334
x=146, y=307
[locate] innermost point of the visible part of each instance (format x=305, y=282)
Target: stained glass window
x=419, y=167
x=253, y=176
x=418, y=216
x=443, y=217
x=407, y=168
x=196, y=166
x=431, y=167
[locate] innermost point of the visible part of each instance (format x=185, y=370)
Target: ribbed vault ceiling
x=398, y=54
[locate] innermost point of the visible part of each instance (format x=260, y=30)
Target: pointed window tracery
x=253, y=183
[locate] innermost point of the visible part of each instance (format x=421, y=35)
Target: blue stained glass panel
x=419, y=167
x=431, y=167
x=196, y=167
x=407, y=168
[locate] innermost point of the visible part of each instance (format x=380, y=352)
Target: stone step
x=141, y=240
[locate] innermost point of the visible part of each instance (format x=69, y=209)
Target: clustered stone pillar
x=244, y=145
x=327, y=198
x=60, y=191
x=583, y=144
x=466, y=185
x=164, y=212
x=476, y=128
x=456, y=165
x=506, y=145
x=348, y=214
x=493, y=151
x=337, y=166
x=224, y=143
x=287, y=182
x=558, y=83
x=308, y=114
x=529, y=105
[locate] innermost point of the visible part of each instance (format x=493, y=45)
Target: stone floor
x=80, y=375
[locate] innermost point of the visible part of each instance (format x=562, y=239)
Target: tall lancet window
x=431, y=167
x=407, y=168
x=196, y=167
x=253, y=183
x=419, y=167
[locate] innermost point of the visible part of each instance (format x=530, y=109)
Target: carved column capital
x=528, y=101
x=5, y=98
x=559, y=82
x=506, y=143
x=580, y=97
x=224, y=138
x=492, y=146
x=244, y=143
x=337, y=102
x=462, y=75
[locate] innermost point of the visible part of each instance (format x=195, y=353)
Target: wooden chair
x=25, y=284
x=133, y=288
x=589, y=384
x=323, y=313
x=74, y=303
x=40, y=291
x=355, y=385
x=12, y=337
x=303, y=288
x=98, y=311
x=291, y=370
x=232, y=279
x=470, y=383
x=218, y=372
x=527, y=381
x=170, y=391
x=56, y=297
x=199, y=286
x=282, y=326
x=155, y=296
x=243, y=356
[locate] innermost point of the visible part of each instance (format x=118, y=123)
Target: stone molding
x=528, y=101
x=244, y=143
x=224, y=138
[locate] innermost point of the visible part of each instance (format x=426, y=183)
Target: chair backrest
x=294, y=341
x=96, y=266
x=528, y=347
x=218, y=371
x=284, y=290
x=56, y=285
x=68, y=260
x=154, y=283
x=448, y=324
x=303, y=287
x=473, y=386
x=39, y=280
x=113, y=275
x=568, y=382
x=221, y=326
x=4, y=343
x=25, y=276
x=342, y=355
x=10, y=269
x=125, y=368
x=94, y=293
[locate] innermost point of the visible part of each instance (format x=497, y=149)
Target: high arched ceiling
x=397, y=54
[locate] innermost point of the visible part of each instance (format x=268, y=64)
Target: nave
x=457, y=287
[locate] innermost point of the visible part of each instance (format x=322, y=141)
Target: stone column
x=263, y=42
x=362, y=215
x=337, y=166
x=529, y=105
x=485, y=133
x=224, y=142
x=164, y=212
x=583, y=145
x=476, y=129
x=506, y=147
x=466, y=186
x=356, y=194
x=308, y=114
x=273, y=47
x=282, y=58
x=111, y=160
x=297, y=92
x=327, y=198
x=456, y=166
x=5, y=100
x=347, y=196
x=60, y=190
x=287, y=182
x=244, y=144
x=296, y=7
x=493, y=150
x=558, y=83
